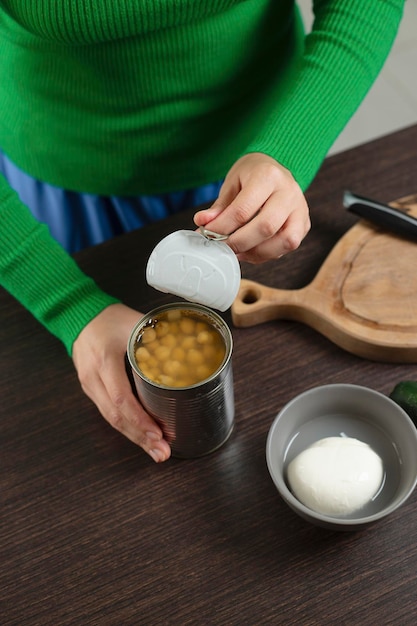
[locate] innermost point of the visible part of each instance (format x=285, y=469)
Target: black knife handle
x=394, y=220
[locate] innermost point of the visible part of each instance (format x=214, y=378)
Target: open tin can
x=196, y=417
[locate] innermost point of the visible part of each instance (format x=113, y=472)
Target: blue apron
x=77, y=220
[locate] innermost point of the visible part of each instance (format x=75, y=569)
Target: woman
x=115, y=114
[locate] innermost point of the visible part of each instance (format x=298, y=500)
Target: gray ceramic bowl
x=354, y=411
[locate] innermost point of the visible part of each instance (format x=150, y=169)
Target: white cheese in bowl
x=336, y=475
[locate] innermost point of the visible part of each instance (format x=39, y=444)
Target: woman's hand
x=261, y=207
x=99, y=357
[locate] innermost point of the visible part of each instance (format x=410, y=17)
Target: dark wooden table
x=93, y=532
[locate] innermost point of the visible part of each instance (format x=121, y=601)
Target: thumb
x=203, y=217
x=227, y=194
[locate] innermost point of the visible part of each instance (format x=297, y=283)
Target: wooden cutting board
x=364, y=297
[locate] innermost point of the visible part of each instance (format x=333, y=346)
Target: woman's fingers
x=122, y=410
x=261, y=208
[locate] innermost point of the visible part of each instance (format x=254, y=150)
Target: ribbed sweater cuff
x=52, y=287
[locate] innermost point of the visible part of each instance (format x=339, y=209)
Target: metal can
x=195, y=419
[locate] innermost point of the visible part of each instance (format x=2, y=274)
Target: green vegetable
x=405, y=394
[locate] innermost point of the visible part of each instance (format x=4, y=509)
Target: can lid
x=195, y=267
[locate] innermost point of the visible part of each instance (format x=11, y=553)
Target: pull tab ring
x=212, y=236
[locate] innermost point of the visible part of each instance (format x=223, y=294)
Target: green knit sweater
x=127, y=97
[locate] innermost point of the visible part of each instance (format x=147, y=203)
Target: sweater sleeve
x=38, y=272
x=343, y=54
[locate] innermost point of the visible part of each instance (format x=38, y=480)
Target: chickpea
x=142, y=354
x=152, y=346
x=178, y=354
x=194, y=357
x=162, y=353
x=204, y=371
x=174, y=329
x=153, y=362
x=200, y=327
x=162, y=328
x=169, y=340
x=172, y=368
x=151, y=372
x=187, y=326
x=205, y=337
x=189, y=342
x=148, y=335
x=168, y=381
x=174, y=315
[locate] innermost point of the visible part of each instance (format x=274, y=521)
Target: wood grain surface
x=364, y=296
x=92, y=532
